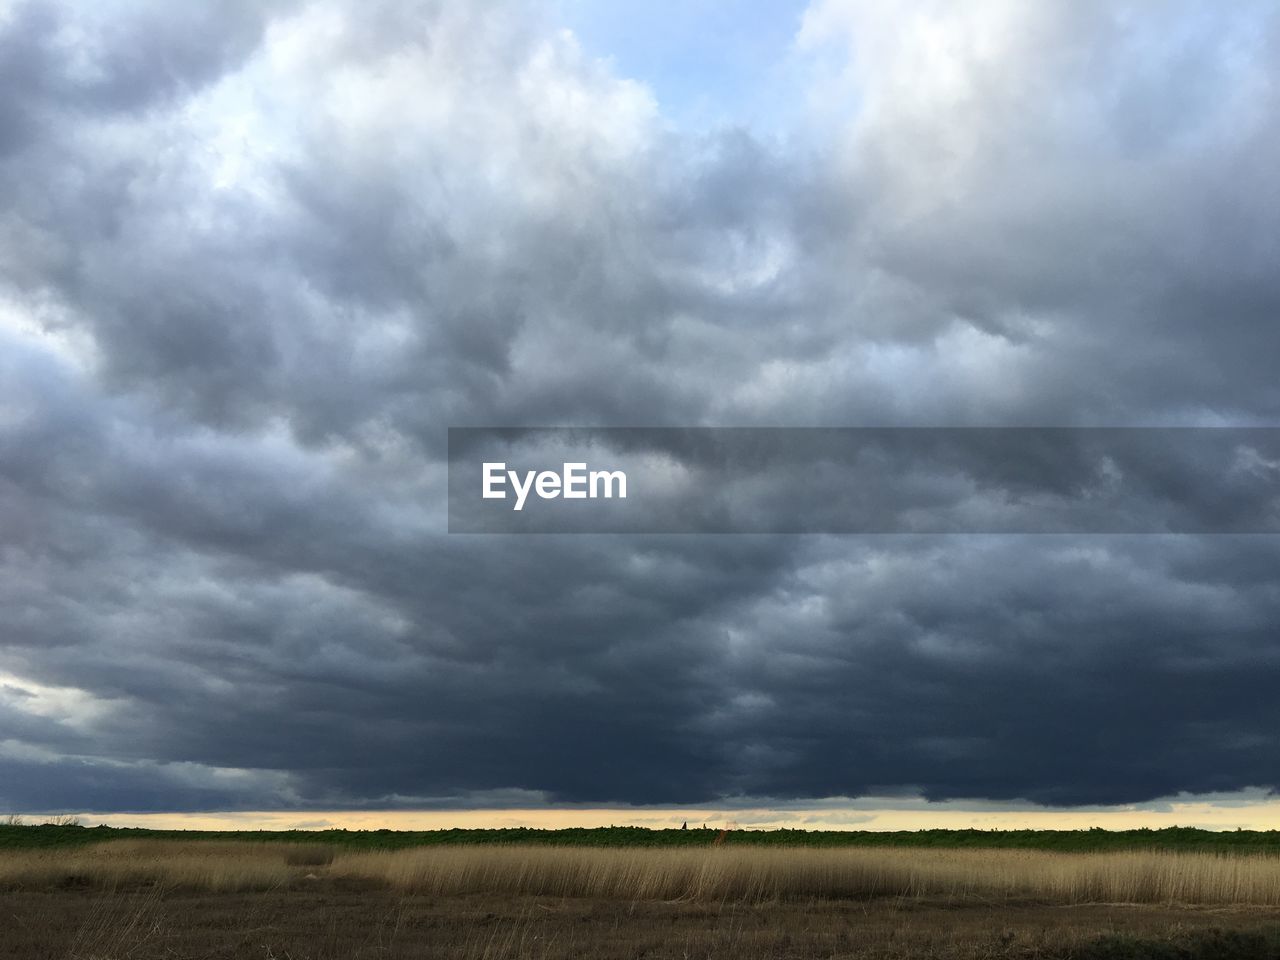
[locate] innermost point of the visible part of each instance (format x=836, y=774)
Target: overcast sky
x=256, y=258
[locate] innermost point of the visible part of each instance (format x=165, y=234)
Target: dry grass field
x=153, y=899
x=716, y=874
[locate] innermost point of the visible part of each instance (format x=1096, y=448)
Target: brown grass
x=758, y=874
x=204, y=865
x=321, y=921
x=152, y=900
x=719, y=874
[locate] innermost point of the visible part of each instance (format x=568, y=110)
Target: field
x=145, y=896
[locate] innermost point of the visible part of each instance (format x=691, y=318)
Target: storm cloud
x=255, y=259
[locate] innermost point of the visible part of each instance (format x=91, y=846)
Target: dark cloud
x=255, y=259
x=60, y=65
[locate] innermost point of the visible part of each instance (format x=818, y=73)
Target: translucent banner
x=864, y=480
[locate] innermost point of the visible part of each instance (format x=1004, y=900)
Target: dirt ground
x=328, y=922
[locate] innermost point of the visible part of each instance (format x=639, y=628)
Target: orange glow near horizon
x=1256, y=814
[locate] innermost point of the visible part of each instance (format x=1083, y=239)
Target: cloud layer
x=256, y=258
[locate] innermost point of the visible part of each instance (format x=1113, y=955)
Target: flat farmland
x=326, y=921
x=165, y=898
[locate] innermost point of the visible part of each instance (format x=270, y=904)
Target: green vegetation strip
x=1200, y=945
x=1171, y=838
